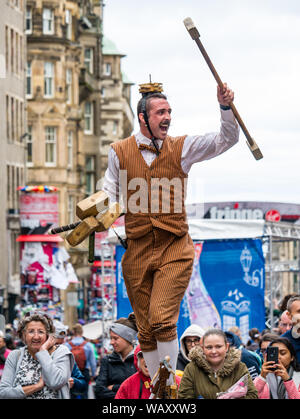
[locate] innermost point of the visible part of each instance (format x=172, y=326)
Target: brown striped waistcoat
x=160, y=209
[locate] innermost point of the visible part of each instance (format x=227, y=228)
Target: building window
x=90, y=174
x=22, y=119
x=8, y=118
x=17, y=52
x=7, y=47
x=14, y=253
x=50, y=134
x=71, y=214
x=48, y=22
x=28, y=21
x=103, y=91
x=68, y=24
x=29, y=146
x=88, y=118
x=21, y=56
x=70, y=149
x=115, y=128
x=8, y=190
x=69, y=85
x=12, y=51
x=28, y=80
x=17, y=120
x=12, y=118
x=48, y=79
x=107, y=69
x=89, y=59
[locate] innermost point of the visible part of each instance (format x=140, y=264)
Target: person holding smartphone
x=280, y=373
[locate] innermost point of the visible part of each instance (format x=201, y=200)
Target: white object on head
x=188, y=23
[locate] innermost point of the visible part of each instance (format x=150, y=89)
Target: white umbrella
x=93, y=330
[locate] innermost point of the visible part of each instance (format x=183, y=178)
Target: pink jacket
x=264, y=392
x=137, y=385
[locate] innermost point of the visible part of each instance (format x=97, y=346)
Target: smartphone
x=272, y=355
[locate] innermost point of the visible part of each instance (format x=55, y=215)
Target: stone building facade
x=116, y=113
x=64, y=86
x=12, y=156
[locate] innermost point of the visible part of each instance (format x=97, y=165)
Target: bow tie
x=148, y=147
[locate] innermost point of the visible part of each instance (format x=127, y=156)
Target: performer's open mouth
x=164, y=126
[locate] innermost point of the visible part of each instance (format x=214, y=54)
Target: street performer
x=150, y=169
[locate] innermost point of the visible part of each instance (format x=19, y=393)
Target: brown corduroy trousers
x=156, y=270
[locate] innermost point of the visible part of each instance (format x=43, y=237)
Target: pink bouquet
x=238, y=390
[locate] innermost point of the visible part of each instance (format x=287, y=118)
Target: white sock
x=152, y=362
x=169, y=348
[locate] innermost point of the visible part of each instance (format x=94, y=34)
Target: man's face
x=159, y=116
x=285, y=323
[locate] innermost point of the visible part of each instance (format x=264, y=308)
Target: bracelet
x=225, y=108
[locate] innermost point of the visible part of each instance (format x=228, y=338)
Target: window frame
x=90, y=117
x=90, y=173
x=48, y=77
x=28, y=18
x=68, y=21
x=51, y=141
x=69, y=85
x=28, y=78
x=70, y=144
x=29, y=142
x=89, y=62
x=46, y=20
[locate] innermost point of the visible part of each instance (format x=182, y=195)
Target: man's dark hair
x=148, y=100
x=267, y=337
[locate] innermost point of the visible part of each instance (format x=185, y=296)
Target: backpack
x=79, y=354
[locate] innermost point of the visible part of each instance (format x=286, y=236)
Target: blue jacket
x=80, y=384
x=251, y=359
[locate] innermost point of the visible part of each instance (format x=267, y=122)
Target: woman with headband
x=119, y=365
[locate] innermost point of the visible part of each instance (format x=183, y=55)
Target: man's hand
x=226, y=96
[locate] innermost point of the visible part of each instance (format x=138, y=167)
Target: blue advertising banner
x=226, y=288
x=233, y=272
x=123, y=303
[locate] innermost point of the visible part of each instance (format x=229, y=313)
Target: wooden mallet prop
x=96, y=216
x=193, y=31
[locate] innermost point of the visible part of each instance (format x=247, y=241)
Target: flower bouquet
x=238, y=390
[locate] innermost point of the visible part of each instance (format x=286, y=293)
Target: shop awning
x=53, y=238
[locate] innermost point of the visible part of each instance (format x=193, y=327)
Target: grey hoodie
x=192, y=330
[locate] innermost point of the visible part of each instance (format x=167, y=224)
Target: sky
x=255, y=48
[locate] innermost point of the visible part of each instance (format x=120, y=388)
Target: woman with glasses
x=264, y=342
x=214, y=368
x=38, y=370
x=191, y=337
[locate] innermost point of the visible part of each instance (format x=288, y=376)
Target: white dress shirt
x=196, y=148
